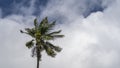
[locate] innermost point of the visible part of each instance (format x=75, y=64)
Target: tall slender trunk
x=38, y=59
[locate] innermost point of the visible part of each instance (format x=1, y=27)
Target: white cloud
x=91, y=42
x=13, y=51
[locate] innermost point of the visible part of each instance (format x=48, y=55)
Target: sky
x=91, y=29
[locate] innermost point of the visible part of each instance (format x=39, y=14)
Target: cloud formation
x=91, y=42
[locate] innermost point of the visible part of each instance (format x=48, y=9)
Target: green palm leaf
x=50, y=51
x=47, y=37
x=56, y=48
x=44, y=23
x=30, y=44
x=30, y=32
x=56, y=36
x=55, y=32
x=35, y=22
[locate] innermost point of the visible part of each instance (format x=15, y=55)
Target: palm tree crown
x=41, y=34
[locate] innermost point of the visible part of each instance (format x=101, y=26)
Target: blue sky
x=91, y=29
x=8, y=6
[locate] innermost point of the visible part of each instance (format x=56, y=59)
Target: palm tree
x=42, y=34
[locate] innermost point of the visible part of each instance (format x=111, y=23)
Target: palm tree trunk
x=38, y=53
x=38, y=57
x=38, y=62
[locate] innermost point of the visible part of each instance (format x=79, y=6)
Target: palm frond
x=51, y=37
x=30, y=32
x=43, y=27
x=44, y=30
x=23, y=32
x=47, y=37
x=56, y=48
x=55, y=32
x=30, y=44
x=44, y=22
x=49, y=50
x=35, y=23
x=58, y=36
